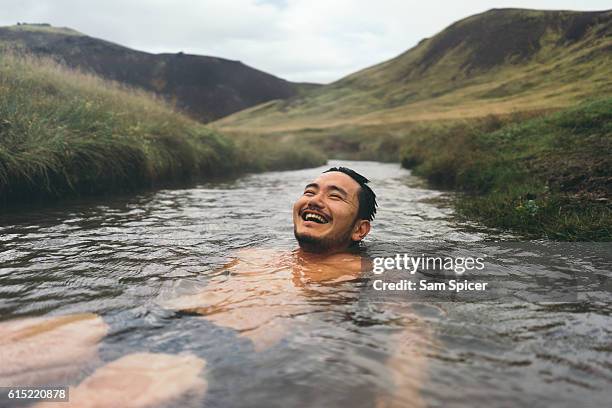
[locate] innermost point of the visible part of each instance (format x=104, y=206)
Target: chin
x=319, y=243
x=308, y=236
x=311, y=242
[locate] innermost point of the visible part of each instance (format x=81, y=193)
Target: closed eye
x=309, y=192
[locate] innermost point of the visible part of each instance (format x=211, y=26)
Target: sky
x=299, y=40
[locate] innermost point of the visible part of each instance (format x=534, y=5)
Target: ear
x=360, y=230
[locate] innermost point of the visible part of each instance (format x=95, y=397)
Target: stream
x=340, y=344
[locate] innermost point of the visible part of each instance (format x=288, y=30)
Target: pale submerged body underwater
x=266, y=296
x=263, y=295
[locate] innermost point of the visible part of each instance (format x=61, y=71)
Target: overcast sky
x=299, y=40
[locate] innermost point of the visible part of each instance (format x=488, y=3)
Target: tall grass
x=546, y=176
x=64, y=132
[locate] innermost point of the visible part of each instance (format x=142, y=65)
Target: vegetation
x=546, y=176
x=258, y=153
x=206, y=88
x=64, y=133
x=493, y=105
x=43, y=28
x=487, y=106
x=495, y=63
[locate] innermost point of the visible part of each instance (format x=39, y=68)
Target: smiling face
x=325, y=216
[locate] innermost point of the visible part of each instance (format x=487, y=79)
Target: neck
x=308, y=251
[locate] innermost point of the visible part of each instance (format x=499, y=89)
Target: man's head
x=334, y=212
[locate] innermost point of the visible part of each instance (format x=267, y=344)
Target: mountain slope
x=205, y=87
x=497, y=62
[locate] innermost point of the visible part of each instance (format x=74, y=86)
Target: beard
x=324, y=244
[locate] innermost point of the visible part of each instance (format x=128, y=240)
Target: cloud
x=301, y=40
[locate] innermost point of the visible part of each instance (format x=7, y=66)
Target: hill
x=510, y=106
x=66, y=133
x=498, y=62
x=206, y=88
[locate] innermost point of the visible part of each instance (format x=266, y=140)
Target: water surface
x=122, y=258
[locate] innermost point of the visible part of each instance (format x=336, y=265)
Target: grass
x=544, y=173
x=379, y=142
x=509, y=134
x=486, y=106
x=46, y=28
x=459, y=83
x=66, y=133
x=258, y=153
x=547, y=176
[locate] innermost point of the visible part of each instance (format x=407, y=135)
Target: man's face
x=325, y=216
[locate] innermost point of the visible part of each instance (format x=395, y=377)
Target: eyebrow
x=332, y=187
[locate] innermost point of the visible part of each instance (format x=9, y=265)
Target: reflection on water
x=161, y=271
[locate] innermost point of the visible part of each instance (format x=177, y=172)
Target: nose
x=316, y=201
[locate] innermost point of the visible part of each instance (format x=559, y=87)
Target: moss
x=546, y=176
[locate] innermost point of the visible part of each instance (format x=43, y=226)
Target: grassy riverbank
x=540, y=173
x=65, y=133
x=547, y=176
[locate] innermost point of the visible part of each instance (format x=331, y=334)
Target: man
x=330, y=218
x=263, y=290
x=334, y=213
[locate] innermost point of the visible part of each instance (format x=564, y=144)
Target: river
x=122, y=258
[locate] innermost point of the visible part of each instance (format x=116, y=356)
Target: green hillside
x=65, y=133
x=510, y=106
x=498, y=62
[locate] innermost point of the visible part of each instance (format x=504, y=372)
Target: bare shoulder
x=255, y=253
x=253, y=260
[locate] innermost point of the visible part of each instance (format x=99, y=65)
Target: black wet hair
x=367, y=198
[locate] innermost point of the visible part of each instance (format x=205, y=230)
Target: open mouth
x=308, y=215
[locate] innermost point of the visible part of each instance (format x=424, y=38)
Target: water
x=302, y=342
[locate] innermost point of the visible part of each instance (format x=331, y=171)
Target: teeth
x=314, y=217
